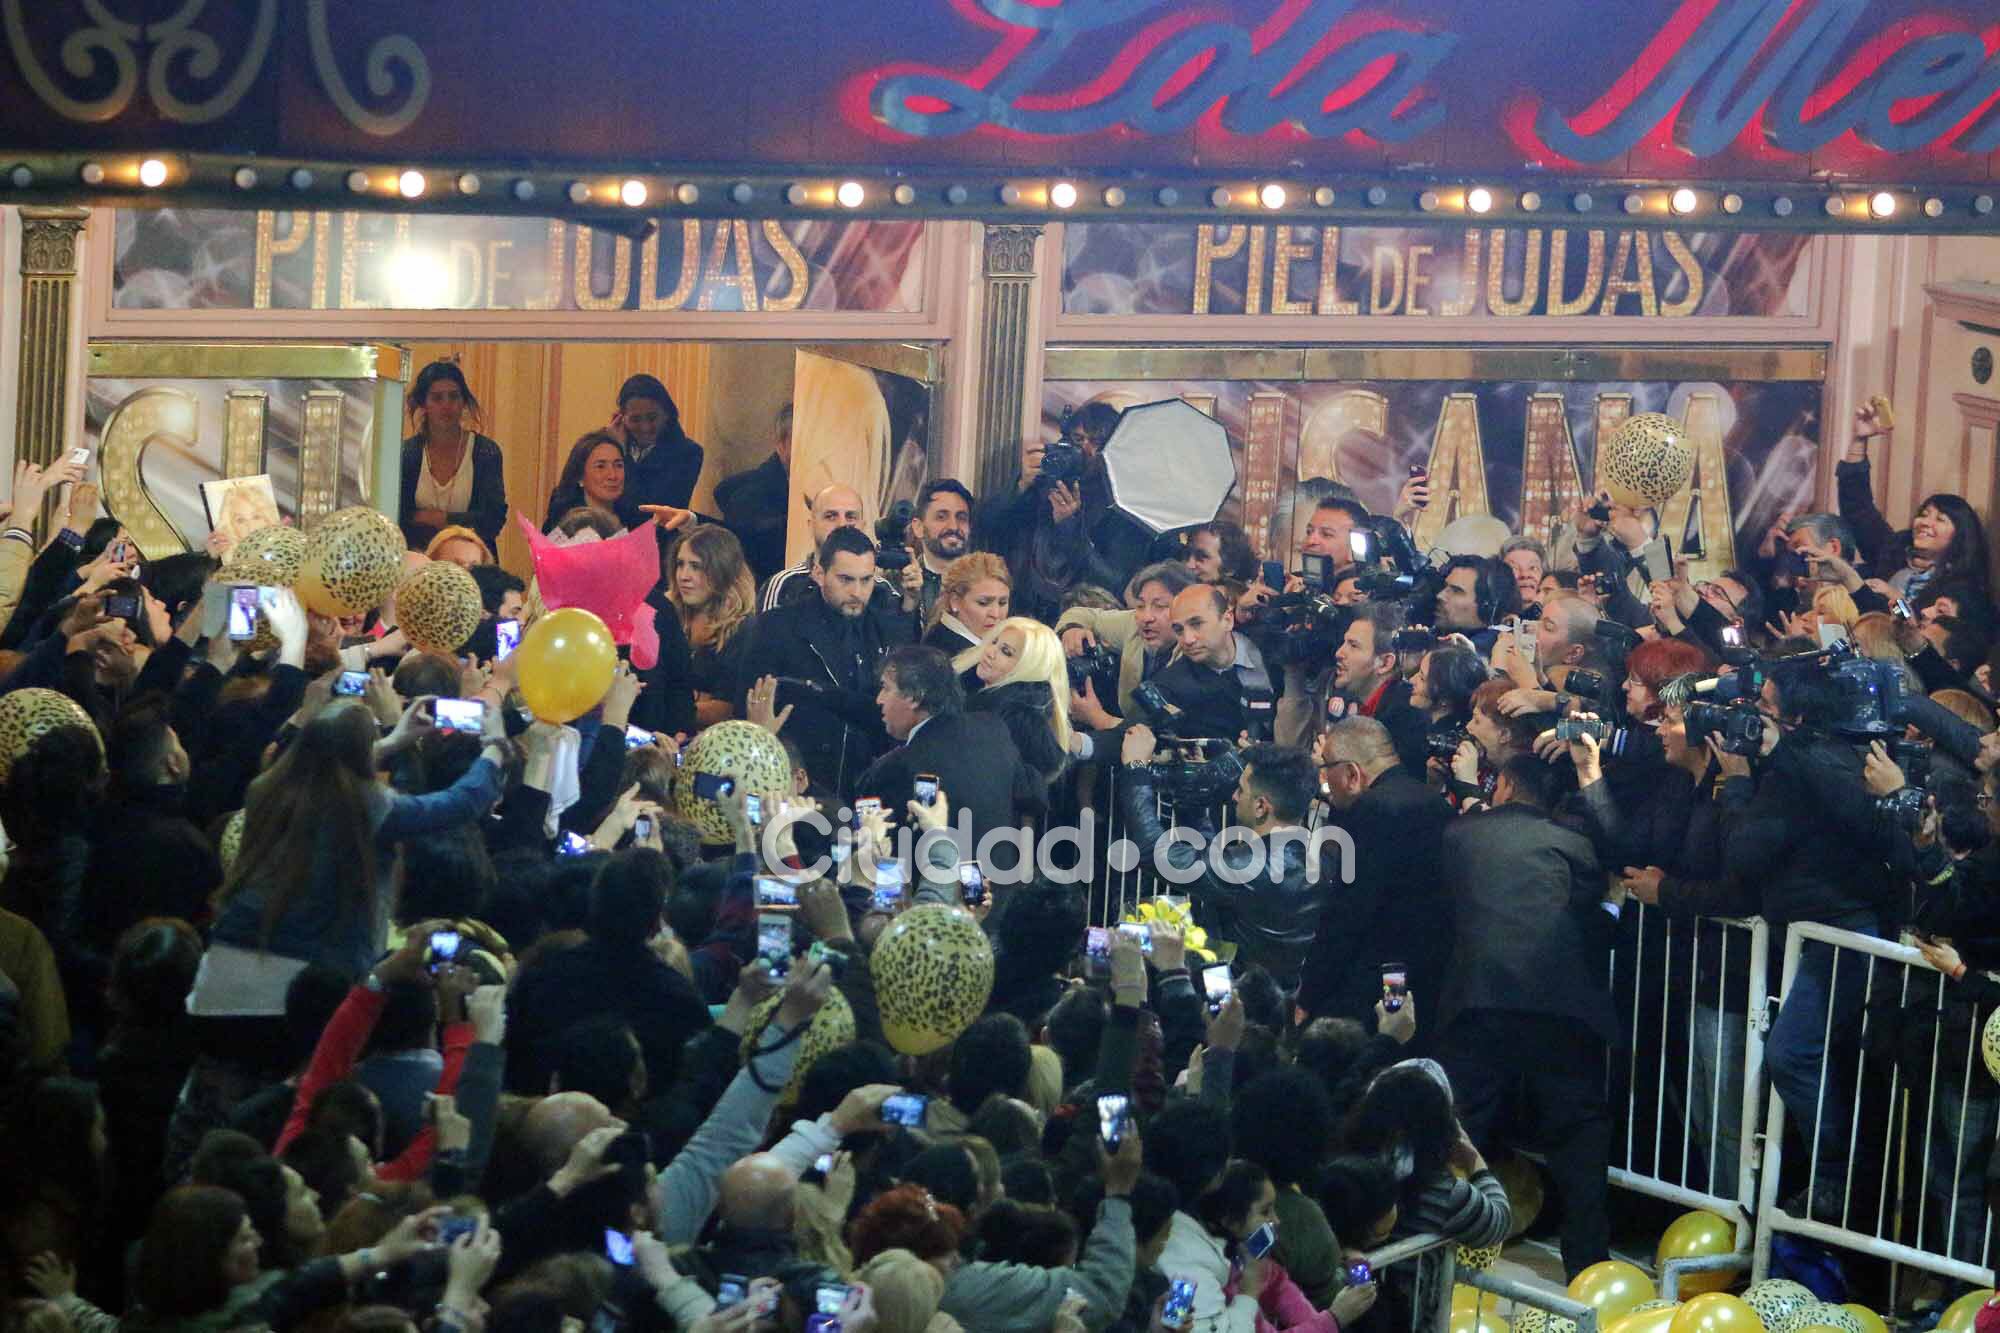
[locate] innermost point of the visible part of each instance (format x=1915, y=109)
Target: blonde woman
x=1020, y=674
x=711, y=591
x=974, y=597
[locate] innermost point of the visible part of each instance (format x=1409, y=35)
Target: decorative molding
x=1976, y=305
x=1010, y=250
x=1978, y=412
x=49, y=238
x=174, y=51
x=49, y=253
x=244, y=416
x=319, y=454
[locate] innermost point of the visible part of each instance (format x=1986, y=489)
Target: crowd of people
x=316, y=1012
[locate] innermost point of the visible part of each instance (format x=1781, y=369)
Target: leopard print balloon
x=832, y=1026
x=933, y=971
x=1784, y=1306
x=30, y=713
x=1478, y=1259
x=1831, y=1316
x=741, y=751
x=232, y=841
x=271, y=557
x=352, y=561
x=1989, y=1044
x=1647, y=461
x=438, y=607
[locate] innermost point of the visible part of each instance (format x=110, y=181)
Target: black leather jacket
x=1271, y=917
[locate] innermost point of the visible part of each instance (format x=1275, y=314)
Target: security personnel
x=1218, y=686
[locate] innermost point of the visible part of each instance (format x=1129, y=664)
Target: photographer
x=1618, y=545
x=1143, y=638
x=1270, y=915
x=1477, y=594
x=1703, y=613
x=1041, y=529
x=1807, y=782
x=1218, y=686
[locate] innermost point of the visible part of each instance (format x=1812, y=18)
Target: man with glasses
x=1699, y=613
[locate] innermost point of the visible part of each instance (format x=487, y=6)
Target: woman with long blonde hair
x=711, y=591
x=1021, y=675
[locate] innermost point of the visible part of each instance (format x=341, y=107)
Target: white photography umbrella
x=1169, y=465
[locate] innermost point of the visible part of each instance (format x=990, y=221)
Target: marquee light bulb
x=411, y=185
x=1272, y=196
x=1479, y=199
x=850, y=194
x=152, y=173
x=633, y=193
x=1882, y=204
x=1683, y=200
x=1062, y=194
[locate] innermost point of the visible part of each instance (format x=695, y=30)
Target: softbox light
x=1169, y=465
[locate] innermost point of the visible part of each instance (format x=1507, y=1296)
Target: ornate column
x=51, y=239
x=1005, y=323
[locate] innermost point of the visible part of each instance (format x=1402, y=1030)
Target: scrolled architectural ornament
x=85, y=52
x=178, y=39
x=383, y=57
x=1010, y=250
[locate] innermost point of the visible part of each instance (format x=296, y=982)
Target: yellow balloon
x=1613, y=1287
x=1958, y=1316
x=1716, y=1312
x=1465, y=1298
x=1659, y=1318
x=1870, y=1321
x=565, y=664
x=1466, y=1319
x=1691, y=1236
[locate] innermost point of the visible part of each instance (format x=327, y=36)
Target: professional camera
x=1098, y=662
x=1413, y=639
x=1914, y=758
x=1443, y=742
x=891, y=530
x=1302, y=627
x=1736, y=727
x=1414, y=581
x=1062, y=462
x=1905, y=807
x=1869, y=690
x=1197, y=772
x=1584, y=684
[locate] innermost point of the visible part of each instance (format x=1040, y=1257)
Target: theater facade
x=1365, y=239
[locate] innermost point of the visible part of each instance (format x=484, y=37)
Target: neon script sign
x=1326, y=69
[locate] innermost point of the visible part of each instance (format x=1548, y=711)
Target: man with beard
x=943, y=533
x=826, y=652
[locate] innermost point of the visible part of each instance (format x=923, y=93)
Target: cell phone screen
x=618, y=1247
x=1112, y=1109
x=1259, y=1242
x=1215, y=981
x=467, y=715
x=1273, y=574
x=774, y=943
x=1395, y=985
x=773, y=892
x=753, y=808
x=443, y=948
x=506, y=637
x=1140, y=932
x=971, y=884
x=243, y=608
x=709, y=787
x=925, y=788
x=905, y=1108
x=730, y=1290
x=1178, y=1311
x=635, y=737
x=572, y=844
x=351, y=683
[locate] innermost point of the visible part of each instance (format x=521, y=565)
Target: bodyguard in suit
x=1526, y=1016
x=971, y=754
x=1396, y=910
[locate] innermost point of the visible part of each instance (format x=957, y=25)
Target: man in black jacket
x=1395, y=910
x=1269, y=913
x=1218, y=686
x=1527, y=1006
x=971, y=755
x=825, y=651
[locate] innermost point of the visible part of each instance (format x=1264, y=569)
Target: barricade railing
x=1694, y=998
x=1119, y=884
x=1918, y=1197
x=1433, y=1262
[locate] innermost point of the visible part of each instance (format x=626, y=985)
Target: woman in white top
x=451, y=474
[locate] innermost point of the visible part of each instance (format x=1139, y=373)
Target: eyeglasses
x=1710, y=586
x=1983, y=800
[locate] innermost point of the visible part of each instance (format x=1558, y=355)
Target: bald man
x=1217, y=680
x=556, y=1124
x=835, y=506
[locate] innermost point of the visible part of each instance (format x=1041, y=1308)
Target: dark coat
x=666, y=475
x=1395, y=911
x=1271, y=917
x=756, y=507
x=1530, y=932
x=1027, y=707
x=489, y=493
x=1213, y=703
x=977, y=768
x=835, y=723
x=1408, y=727
x=601, y=977
x=1778, y=837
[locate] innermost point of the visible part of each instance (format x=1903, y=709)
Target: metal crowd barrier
x=1433, y=1263
x=1691, y=1075
x=1919, y=1198
x=1116, y=888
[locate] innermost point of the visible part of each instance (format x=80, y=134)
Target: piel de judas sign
x=1123, y=268
x=1666, y=89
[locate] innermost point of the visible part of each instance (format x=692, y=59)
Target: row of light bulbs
x=1062, y=195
